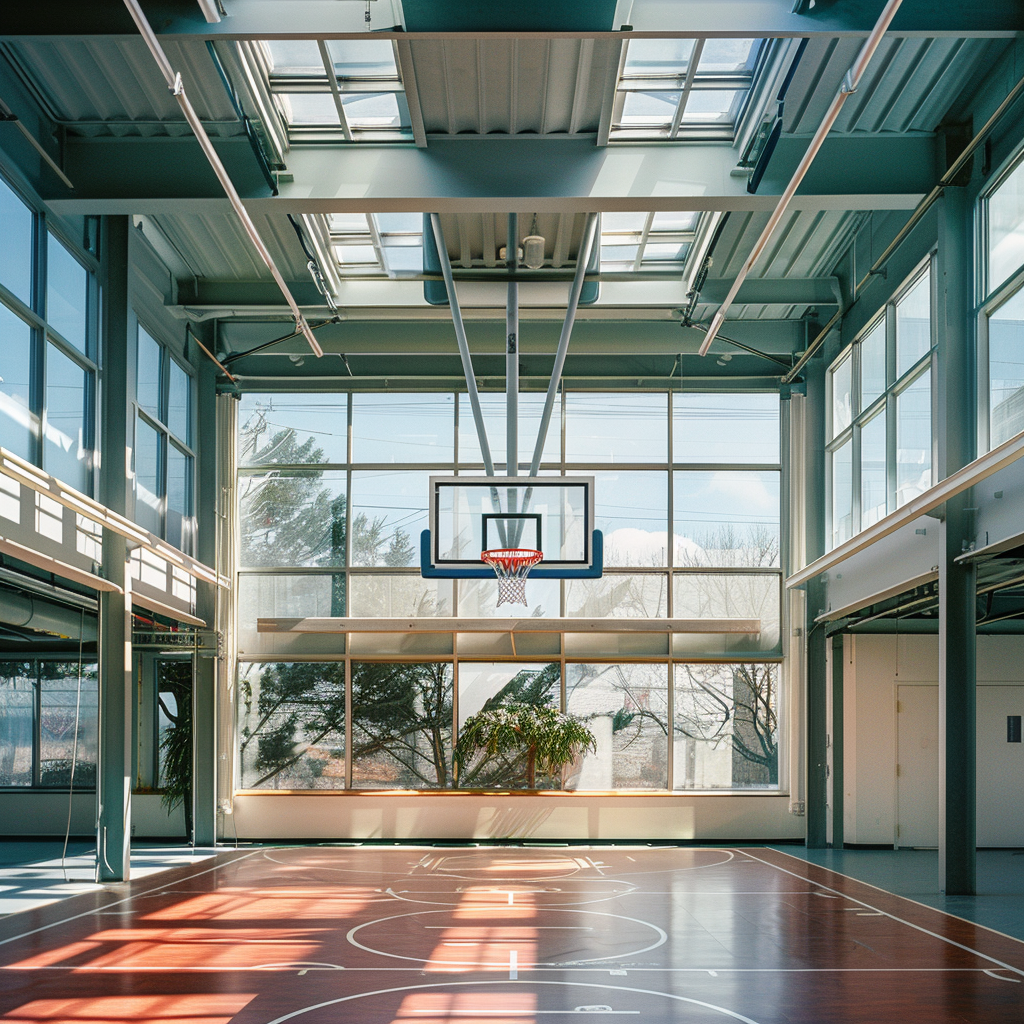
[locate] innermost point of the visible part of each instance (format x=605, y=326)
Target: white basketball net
x=512, y=566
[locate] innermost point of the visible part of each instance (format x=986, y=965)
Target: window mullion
x=691, y=72
x=332, y=81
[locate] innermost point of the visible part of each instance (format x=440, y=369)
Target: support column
x=817, y=676
x=116, y=690
x=955, y=432
x=837, y=782
x=206, y=663
x=512, y=357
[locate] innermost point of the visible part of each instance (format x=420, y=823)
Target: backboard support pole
x=582, y=259
x=460, y=337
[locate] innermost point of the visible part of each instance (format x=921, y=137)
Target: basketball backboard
x=471, y=514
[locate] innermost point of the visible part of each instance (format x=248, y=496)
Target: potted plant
x=536, y=739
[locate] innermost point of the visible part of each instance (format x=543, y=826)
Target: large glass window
x=725, y=726
x=47, y=346
x=914, y=439
x=66, y=447
x=725, y=428
x=48, y=724
x=626, y=708
x=1005, y=226
x=726, y=518
x=67, y=295
x=881, y=381
x=1005, y=370
x=655, y=725
x=19, y=425
x=291, y=726
x=401, y=726
x=403, y=428
x=318, y=499
x=616, y=428
x=16, y=224
x=164, y=463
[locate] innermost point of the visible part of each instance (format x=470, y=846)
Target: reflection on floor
x=436, y=935
x=32, y=874
x=915, y=874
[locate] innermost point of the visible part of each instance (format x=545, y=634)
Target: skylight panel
x=648, y=57
x=659, y=241
x=678, y=89
x=357, y=58
x=338, y=90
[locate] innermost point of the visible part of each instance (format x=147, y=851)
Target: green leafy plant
x=540, y=738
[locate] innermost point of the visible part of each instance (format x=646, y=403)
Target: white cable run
x=849, y=85
x=177, y=88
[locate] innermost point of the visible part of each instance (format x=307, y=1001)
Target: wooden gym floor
x=503, y=936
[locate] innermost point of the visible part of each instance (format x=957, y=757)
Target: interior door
x=917, y=766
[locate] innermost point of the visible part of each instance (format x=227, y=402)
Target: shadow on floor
x=32, y=873
x=999, y=903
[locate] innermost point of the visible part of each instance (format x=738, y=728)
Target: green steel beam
x=955, y=433
x=205, y=293
x=116, y=688
x=484, y=174
x=264, y=19
x=837, y=780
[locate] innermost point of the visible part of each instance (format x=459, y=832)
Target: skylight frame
x=643, y=239
x=326, y=79
x=688, y=81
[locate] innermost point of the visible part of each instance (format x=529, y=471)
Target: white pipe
x=849, y=84
x=174, y=83
x=210, y=12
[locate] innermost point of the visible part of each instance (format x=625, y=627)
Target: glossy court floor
x=503, y=935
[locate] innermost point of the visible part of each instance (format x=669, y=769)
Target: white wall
x=46, y=814
x=874, y=666
x=518, y=816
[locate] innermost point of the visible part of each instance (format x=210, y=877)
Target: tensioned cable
x=175, y=84
x=74, y=749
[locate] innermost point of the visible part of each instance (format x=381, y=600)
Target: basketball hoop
x=512, y=566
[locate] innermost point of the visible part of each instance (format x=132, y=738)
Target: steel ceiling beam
x=496, y=174
x=327, y=19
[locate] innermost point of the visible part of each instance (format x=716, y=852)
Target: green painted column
x=205, y=669
x=116, y=689
x=817, y=676
x=837, y=781
x=955, y=431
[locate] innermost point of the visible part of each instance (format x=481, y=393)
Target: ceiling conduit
x=849, y=85
x=27, y=612
x=174, y=83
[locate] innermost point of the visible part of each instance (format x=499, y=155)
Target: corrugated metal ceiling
x=112, y=87
x=909, y=85
x=216, y=247
x=475, y=238
x=512, y=86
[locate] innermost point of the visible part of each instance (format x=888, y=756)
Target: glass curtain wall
x=1001, y=361
x=332, y=498
x=164, y=457
x=879, y=426
x=49, y=301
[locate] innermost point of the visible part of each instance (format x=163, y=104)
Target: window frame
x=42, y=334
x=882, y=404
x=165, y=436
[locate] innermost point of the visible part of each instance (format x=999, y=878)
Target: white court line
x=127, y=899
x=532, y=927
x=466, y=984
x=557, y=968
x=513, y=965
x=660, y=941
x=909, y=924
